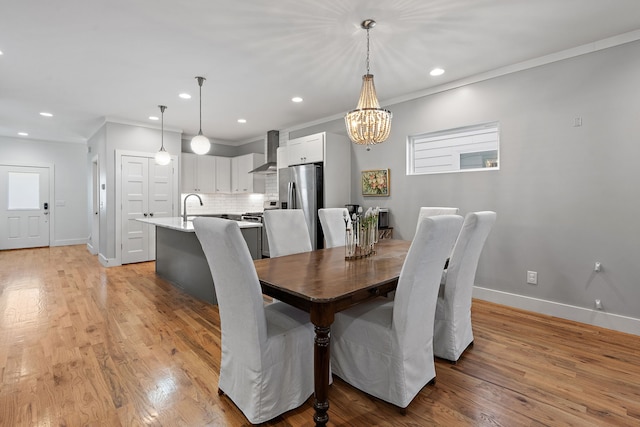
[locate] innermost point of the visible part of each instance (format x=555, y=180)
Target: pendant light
x=163, y=158
x=200, y=144
x=368, y=124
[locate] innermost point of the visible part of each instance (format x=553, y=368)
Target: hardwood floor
x=85, y=345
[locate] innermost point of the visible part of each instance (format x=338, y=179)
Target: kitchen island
x=181, y=261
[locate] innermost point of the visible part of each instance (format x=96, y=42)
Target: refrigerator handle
x=290, y=201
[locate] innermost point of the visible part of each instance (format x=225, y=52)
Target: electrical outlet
x=598, y=304
x=532, y=277
x=597, y=266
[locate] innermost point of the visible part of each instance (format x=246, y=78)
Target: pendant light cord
x=162, y=108
x=200, y=81
x=367, y=50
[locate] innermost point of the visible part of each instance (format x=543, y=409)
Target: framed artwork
x=375, y=182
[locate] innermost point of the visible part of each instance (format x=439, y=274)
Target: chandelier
x=368, y=124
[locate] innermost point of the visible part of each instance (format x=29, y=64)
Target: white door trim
x=52, y=195
x=118, y=194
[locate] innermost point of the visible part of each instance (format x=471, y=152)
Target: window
x=469, y=148
x=24, y=191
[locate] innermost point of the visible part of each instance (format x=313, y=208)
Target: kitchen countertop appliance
x=258, y=217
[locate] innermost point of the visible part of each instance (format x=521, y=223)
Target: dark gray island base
x=181, y=261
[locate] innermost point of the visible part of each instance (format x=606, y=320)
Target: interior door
x=160, y=198
x=147, y=192
x=24, y=207
x=135, y=204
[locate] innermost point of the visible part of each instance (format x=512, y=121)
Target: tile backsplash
x=223, y=203
x=232, y=203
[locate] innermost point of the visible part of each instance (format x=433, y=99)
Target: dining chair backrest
x=418, y=284
x=453, y=330
x=426, y=211
x=266, y=362
x=287, y=232
x=384, y=346
x=236, y=284
x=334, y=225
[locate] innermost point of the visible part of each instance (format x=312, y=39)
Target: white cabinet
x=334, y=151
x=223, y=174
x=241, y=180
x=198, y=173
x=307, y=149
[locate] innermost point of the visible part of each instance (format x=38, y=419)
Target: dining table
x=322, y=283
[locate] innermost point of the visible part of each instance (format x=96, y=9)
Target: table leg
x=321, y=362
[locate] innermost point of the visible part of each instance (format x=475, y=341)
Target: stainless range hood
x=271, y=153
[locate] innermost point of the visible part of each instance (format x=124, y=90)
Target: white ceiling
x=84, y=60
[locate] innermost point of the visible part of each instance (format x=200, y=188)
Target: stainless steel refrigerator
x=300, y=187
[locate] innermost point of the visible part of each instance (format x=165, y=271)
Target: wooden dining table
x=322, y=283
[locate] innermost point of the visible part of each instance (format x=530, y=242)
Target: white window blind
x=460, y=149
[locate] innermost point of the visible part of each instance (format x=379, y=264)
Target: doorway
x=24, y=206
x=94, y=240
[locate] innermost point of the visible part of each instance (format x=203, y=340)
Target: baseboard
x=69, y=242
x=91, y=249
x=107, y=262
x=599, y=318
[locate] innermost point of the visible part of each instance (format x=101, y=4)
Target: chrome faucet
x=184, y=205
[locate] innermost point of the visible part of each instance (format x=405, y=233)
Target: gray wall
x=557, y=183
x=105, y=142
x=219, y=148
x=70, y=184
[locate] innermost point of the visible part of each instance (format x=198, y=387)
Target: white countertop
x=176, y=223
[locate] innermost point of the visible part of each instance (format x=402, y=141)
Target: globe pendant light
x=368, y=124
x=200, y=144
x=163, y=158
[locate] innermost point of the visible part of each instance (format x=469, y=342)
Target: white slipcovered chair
x=333, y=225
x=426, y=211
x=266, y=366
x=287, y=232
x=385, y=347
x=452, y=331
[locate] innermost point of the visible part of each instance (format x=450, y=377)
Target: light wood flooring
x=83, y=345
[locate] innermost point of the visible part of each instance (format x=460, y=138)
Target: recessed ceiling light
x=153, y=118
x=242, y=120
x=23, y=134
x=45, y=114
x=296, y=99
x=185, y=96
x=436, y=72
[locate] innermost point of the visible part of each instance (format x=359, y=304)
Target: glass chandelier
x=368, y=124
x=200, y=144
x=163, y=158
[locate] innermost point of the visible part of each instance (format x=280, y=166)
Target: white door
x=160, y=198
x=95, y=208
x=24, y=207
x=135, y=204
x=146, y=192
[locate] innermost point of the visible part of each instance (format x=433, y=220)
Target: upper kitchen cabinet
x=307, y=149
x=334, y=151
x=241, y=180
x=223, y=174
x=198, y=173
